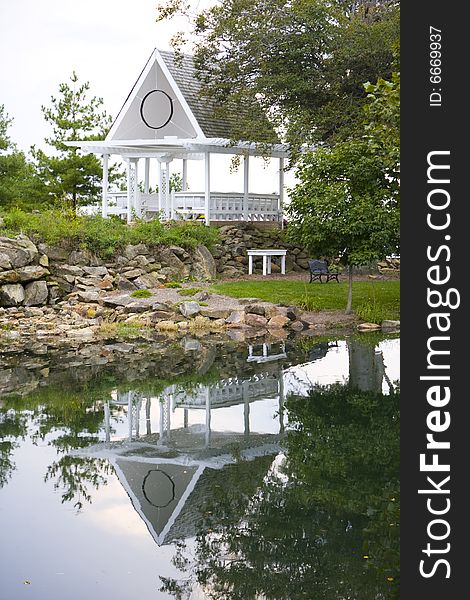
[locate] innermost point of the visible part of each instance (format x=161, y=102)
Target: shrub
x=189, y=291
x=104, y=236
x=141, y=294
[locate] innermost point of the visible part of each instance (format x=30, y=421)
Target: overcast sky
x=107, y=42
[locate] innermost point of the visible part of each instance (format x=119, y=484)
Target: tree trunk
x=350, y=281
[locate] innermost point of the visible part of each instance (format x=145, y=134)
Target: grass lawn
x=373, y=301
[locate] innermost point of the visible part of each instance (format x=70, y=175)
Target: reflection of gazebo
x=172, y=499
x=164, y=119
x=224, y=393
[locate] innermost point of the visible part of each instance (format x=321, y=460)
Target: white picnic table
x=267, y=255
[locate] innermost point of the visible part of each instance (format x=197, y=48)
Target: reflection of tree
x=12, y=425
x=327, y=527
x=73, y=474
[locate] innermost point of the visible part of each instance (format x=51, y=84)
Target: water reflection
x=271, y=470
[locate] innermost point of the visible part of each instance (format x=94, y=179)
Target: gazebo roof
x=165, y=115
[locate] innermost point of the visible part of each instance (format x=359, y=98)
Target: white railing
x=223, y=206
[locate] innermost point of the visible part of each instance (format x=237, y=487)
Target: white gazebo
x=164, y=118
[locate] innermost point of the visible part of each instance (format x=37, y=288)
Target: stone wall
x=34, y=275
x=236, y=239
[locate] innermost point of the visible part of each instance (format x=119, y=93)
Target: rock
x=44, y=260
x=120, y=300
x=215, y=313
x=278, y=321
x=293, y=313
x=106, y=283
x=255, y=320
x=36, y=293
x=120, y=348
x=161, y=315
x=55, y=253
x=201, y=296
x=271, y=311
x=177, y=268
x=368, y=327
x=78, y=257
x=68, y=270
x=124, y=284
x=204, y=266
x=236, y=317
x=5, y=262
x=11, y=294
x=133, y=273
x=32, y=273
x=149, y=281
x=86, y=334
x=20, y=250
x=256, y=309
x=96, y=271
x=247, y=300
x=53, y=293
x=9, y=277
x=89, y=296
x=297, y=325
x=389, y=325
x=189, y=309
x=133, y=250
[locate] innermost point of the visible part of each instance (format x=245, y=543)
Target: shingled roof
x=184, y=73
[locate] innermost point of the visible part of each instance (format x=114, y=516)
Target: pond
x=199, y=469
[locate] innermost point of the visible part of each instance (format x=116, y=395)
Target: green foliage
x=303, y=61
x=189, y=291
x=172, y=284
x=384, y=296
x=19, y=185
x=141, y=294
x=70, y=176
x=104, y=236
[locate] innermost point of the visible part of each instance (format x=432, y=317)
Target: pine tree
x=70, y=175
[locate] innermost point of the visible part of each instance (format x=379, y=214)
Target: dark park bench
x=319, y=269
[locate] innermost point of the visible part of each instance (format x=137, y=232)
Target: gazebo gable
x=155, y=108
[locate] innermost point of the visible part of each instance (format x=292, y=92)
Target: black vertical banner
x=435, y=267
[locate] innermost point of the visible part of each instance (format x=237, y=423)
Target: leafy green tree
x=69, y=175
x=19, y=185
x=347, y=202
x=302, y=61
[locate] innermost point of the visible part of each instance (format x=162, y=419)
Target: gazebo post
x=136, y=193
x=129, y=191
x=160, y=186
x=185, y=174
x=246, y=179
x=169, y=203
x=104, y=202
x=207, y=186
x=281, y=190
x=147, y=175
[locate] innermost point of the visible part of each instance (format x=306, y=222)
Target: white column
x=265, y=264
x=107, y=421
x=129, y=192
x=147, y=176
x=136, y=199
x=250, y=264
x=208, y=417
x=185, y=174
x=129, y=413
x=104, y=204
x=246, y=179
x=207, y=185
x=281, y=190
x=283, y=264
x=169, y=204
x=161, y=191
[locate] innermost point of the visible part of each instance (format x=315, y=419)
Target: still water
x=199, y=470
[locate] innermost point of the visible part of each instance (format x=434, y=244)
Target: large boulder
x=32, y=273
x=189, y=309
x=36, y=293
x=204, y=266
x=133, y=250
x=169, y=259
x=20, y=251
x=11, y=294
x=5, y=262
